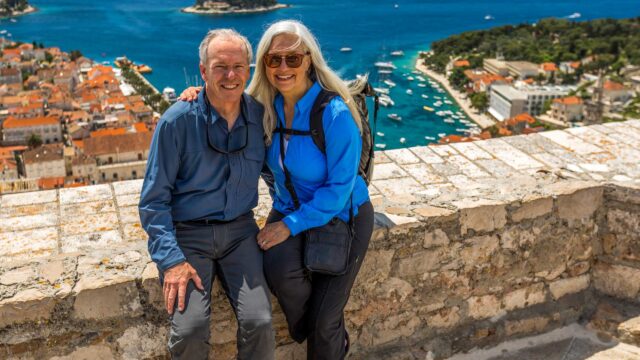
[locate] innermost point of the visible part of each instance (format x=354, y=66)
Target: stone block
x=420, y=263
x=402, y=156
x=388, y=171
x=151, y=284
x=128, y=200
x=28, y=244
x=19, y=223
x=29, y=198
x=533, y=209
x=435, y=238
x=52, y=271
x=394, y=287
x=433, y=211
x=85, y=194
x=579, y=268
x=483, y=307
x=93, y=352
x=528, y=296
x=444, y=318
x=26, y=306
x=17, y=276
x=617, y=280
x=481, y=216
x=376, y=266
x=90, y=224
x=99, y=298
x=98, y=240
x=526, y=326
x=145, y=341
x=134, y=232
x=478, y=250
x=127, y=187
x=629, y=331
x=563, y=287
x=73, y=212
x=581, y=204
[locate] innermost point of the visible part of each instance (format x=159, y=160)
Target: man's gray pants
x=229, y=251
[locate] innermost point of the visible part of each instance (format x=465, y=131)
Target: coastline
x=465, y=104
x=193, y=10
x=29, y=10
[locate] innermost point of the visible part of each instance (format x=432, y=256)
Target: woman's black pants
x=314, y=303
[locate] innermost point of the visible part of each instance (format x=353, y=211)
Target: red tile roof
x=569, y=100
x=12, y=123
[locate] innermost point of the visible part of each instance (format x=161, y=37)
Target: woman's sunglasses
x=292, y=60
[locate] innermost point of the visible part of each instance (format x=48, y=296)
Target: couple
x=202, y=182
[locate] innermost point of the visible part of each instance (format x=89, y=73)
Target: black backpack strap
x=315, y=123
x=287, y=175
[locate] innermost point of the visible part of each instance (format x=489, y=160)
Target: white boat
x=441, y=113
x=395, y=6
x=425, y=96
x=410, y=78
x=448, y=102
x=442, y=135
x=416, y=72
x=409, y=92
x=13, y=20
x=395, y=117
x=346, y=49
x=385, y=65
x=449, y=121
x=420, y=78
x=386, y=101
x=422, y=85
x=384, y=72
x=381, y=90
x=381, y=146
x=575, y=15
x=488, y=17
x=389, y=83
x=397, y=53
x=3, y=32
x=403, y=140
x=380, y=133
x=429, y=138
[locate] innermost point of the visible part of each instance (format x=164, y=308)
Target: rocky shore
x=232, y=10
x=28, y=10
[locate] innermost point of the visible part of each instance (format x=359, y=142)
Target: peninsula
x=10, y=8
x=233, y=6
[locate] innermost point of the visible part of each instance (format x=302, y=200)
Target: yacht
x=397, y=53
x=346, y=49
x=409, y=92
x=385, y=100
x=422, y=85
x=381, y=146
x=428, y=108
x=424, y=96
x=380, y=133
x=488, y=17
x=381, y=90
x=385, y=65
x=384, y=72
x=429, y=138
x=395, y=117
x=410, y=78
x=389, y=83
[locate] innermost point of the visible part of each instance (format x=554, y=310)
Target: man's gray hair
x=226, y=33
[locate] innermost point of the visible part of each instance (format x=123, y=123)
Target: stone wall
x=474, y=244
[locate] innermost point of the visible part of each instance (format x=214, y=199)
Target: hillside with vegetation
x=612, y=43
x=8, y=7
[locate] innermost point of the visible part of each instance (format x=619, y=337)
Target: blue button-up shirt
x=323, y=181
x=186, y=179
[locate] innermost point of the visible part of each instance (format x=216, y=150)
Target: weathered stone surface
x=479, y=249
x=617, y=280
x=579, y=268
x=151, y=284
x=394, y=287
x=521, y=298
x=85, y=194
x=526, y=326
x=579, y=205
x=293, y=351
x=17, y=276
x=432, y=211
x=533, y=209
x=392, y=328
x=482, y=307
x=444, y=318
x=104, y=298
x=569, y=286
x=93, y=352
x=629, y=331
x=30, y=198
x=145, y=341
x=27, y=305
x=419, y=263
x=435, y=238
x=481, y=216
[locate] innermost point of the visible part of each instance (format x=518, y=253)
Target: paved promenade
x=482, y=120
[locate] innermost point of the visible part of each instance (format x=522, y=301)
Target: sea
x=156, y=33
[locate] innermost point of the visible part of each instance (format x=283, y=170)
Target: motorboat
x=346, y=49
x=428, y=108
x=381, y=90
x=409, y=92
x=389, y=83
x=385, y=65
x=395, y=117
x=397, y=53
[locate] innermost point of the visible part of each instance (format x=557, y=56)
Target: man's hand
x=190, y=93
x=175, y=284
x=272, y=235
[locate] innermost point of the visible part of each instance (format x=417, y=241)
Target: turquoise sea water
x=158, y=34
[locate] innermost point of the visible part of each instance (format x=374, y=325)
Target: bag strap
x=287, y=177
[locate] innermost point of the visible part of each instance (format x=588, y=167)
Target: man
x=200, y=186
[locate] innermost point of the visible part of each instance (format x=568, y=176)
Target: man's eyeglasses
x=292, y=60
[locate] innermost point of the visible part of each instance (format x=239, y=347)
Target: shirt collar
x=305, y=102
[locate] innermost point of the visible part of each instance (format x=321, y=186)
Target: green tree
x=480, y=101
x=458, y=79
x=48, y=57
x=34, y=141
x=75, y=54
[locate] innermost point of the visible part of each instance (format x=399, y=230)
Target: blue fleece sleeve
x=155, y=199
x=343, y=146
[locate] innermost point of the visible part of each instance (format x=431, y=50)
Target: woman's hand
x=190, y=93
x=272, y=235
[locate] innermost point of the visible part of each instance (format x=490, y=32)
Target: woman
x=290, y=73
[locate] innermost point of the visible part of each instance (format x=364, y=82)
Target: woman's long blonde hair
x=261, y=89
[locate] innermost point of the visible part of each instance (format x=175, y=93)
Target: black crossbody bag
x=327, y=247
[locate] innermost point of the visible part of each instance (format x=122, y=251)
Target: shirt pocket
x=252, y=162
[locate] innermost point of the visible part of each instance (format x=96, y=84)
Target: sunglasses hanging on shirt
x=235, y=142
